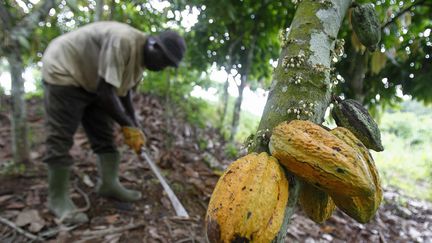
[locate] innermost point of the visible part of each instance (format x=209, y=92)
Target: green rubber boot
x=109, y=184
x=59, y=201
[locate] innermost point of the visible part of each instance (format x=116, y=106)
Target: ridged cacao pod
x=248, y=202
x=316, y=203
x=320, y=158
x=366, y=25
x=353, y=116
x=361, y=208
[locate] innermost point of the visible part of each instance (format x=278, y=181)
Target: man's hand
x=134, y=137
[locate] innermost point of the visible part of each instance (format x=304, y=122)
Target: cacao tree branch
x=421, y=2
x=5, y=17
x=305, y=58
x=26, y=26
x=6, y=23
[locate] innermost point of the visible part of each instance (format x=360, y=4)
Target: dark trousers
x=65, y=108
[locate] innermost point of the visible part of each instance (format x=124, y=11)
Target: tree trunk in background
x=225, y=95
x=237, y=108
x=312, y=33
x=19, y=117
x=224, y=100
x=18, y=30
x=357, y=73
x=99, y=10
x=112, y=9
x=244, y=77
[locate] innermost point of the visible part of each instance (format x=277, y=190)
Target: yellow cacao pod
x=316, y=203
x=248, y=202
x=360, y=208
x=320, y=158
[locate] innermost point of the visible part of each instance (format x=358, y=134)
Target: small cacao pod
x=248, y=202
x=366, y=25
x=320, y=158
x=353, y=116
x=316, y=203
x=360, y=208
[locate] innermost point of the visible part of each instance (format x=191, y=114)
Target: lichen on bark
x=301, y=81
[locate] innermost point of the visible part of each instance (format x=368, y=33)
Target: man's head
x=163, y=50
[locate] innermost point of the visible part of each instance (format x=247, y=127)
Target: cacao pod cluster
x=335, y=167
x=366, y=25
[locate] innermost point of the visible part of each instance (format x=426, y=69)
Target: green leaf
x=24, y=42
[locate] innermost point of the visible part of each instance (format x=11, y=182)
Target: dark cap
x=173, y=45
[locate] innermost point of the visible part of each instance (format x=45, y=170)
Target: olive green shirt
x=111, y=50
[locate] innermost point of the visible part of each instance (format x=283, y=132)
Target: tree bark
x=312, y=35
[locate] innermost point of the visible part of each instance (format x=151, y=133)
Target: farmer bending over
x=88, y=77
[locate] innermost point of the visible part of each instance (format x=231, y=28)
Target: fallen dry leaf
x=15, y=205
x=154, y=232
x=33, y=198
x=4, y=198
x=111, y=219
x=86, y=179
x=327, y=229
x=31, y=217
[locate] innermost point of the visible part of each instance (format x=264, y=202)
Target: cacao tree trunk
x=19, y=122
x=313, y=32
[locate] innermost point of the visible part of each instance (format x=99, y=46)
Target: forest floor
x=180, y=150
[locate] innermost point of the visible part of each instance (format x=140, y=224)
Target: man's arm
x=112, y=105
x=127, y=104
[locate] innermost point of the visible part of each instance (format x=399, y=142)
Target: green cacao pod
x=360, y=208
x=366, y=25
x=320, y=158
x=248, y=202
x=317, y=204
x=353, y=116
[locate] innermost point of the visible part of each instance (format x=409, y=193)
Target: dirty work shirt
x=111, y=50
